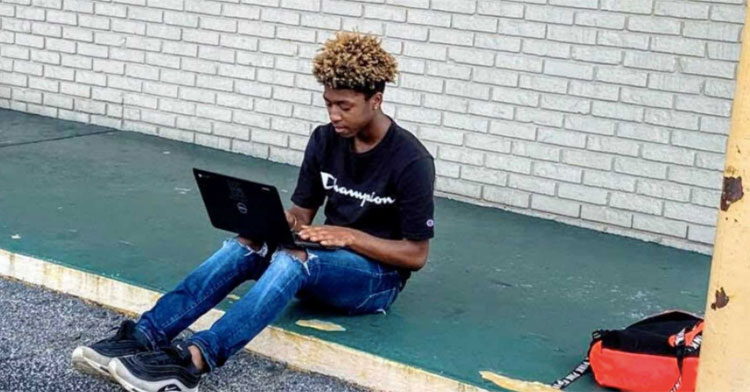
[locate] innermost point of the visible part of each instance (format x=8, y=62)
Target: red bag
x=659, y=353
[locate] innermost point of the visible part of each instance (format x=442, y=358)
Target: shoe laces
x=176, y=353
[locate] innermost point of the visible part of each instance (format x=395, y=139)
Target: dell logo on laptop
x=242, y=208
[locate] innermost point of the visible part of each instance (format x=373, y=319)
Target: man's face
x=349, y=111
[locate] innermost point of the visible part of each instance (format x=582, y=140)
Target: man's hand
x=334, y=236
x=407, y=254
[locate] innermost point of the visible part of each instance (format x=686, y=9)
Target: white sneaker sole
x=122, y=375
x=82, y=362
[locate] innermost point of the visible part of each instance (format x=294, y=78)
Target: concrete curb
x=299, y=351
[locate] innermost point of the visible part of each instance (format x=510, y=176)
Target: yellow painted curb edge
x=298, y=351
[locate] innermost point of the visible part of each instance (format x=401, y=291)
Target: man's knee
x=288, y=260
x=298, y=254
x=252, y=244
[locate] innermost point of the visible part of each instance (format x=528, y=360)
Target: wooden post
x=725, y=354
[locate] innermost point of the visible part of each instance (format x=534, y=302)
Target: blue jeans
x=339, y=279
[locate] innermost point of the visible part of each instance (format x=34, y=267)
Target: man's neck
x=371, y=135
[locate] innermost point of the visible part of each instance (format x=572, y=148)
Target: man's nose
x=334, y=115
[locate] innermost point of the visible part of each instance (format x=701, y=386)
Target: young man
x=378, y=181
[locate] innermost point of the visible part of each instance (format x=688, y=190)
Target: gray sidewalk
x=39, y=329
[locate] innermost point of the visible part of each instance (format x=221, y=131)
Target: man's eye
x=346, y=108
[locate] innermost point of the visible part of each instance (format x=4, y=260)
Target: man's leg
x=175, y=367
x=351, y=282
x=200, y=291
x=287, y=273
x=339, y=278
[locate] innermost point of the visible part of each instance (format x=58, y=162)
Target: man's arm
x=411, y=255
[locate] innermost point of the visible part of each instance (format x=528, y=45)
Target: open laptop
x=250, y=209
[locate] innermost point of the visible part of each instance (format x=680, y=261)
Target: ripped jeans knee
x=263, y=251
x=301, y=256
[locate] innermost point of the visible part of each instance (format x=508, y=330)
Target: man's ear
x=376, y=100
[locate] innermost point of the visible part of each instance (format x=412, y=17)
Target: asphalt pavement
x=39, y=329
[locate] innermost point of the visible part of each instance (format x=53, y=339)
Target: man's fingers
x=307, y=232
x=324, y=235
x=318, y=233
x=319, y=237
x=337, y=243
x=311, y=235
x=308, y=229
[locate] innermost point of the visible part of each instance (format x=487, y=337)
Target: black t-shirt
x=386, y=192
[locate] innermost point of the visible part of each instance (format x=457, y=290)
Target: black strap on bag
x=679, y=346
x=581, y=369
x=682, y=350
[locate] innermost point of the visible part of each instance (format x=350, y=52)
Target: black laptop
x=249, y=209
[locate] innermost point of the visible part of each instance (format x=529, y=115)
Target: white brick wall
x=611, y=114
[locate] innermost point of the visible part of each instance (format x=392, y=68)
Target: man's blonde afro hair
x=353, y=60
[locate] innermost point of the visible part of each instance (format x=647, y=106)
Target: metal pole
x=725, y=354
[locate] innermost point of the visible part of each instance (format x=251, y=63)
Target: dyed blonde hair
x=356, y=61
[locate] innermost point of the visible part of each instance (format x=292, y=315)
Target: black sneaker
x=167, y=370
x=95, y=359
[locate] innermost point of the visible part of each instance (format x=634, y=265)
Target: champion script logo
x=329, y=182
